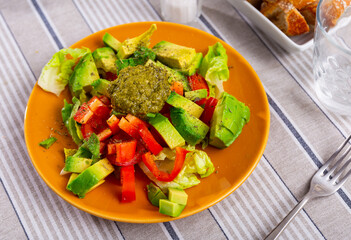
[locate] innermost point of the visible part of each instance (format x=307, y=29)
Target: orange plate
x=233, y=165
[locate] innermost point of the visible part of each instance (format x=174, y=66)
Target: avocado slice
x=84, y=74
x=105, y=59
x=179, y=101
x=100, y=87
x=154, y=194
x=192, y=129
x=129, y=46
x=173, y=55
x=170, y=208
x=196, y=94
x=91, y=176
x=77, y=164
x=194, y=65
x=167, y=131
x=177, y=196
x=111, y=42
x=229, y=118
x=75, y=175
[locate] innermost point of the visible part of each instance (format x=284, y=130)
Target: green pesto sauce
x=140, y=90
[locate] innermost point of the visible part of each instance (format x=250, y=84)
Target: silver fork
x=322, y=184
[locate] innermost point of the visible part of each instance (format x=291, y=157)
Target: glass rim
x=325, y=33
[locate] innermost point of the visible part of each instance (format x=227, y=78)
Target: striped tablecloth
x=302, y=135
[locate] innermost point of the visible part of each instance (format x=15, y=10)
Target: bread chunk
x=285, y=16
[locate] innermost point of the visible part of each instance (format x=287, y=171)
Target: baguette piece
x=309, y=12
x=285, y=16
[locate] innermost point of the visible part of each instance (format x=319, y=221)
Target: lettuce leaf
x=67, y=112
x=214, y=67
x=55, y=74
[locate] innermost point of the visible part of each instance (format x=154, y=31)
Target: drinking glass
x=181, y=11
x=332, y=55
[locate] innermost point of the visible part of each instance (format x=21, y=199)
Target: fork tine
x=332, y=157
x=330, y=172
x=342, y=169
x=343, y=180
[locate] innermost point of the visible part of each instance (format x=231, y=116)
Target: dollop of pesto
x=140, y=90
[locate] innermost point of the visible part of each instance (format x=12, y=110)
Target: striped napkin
x=303, y=133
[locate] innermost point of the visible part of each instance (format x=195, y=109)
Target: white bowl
x=290, y=44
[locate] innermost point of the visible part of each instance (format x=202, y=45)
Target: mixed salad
x=136, y=106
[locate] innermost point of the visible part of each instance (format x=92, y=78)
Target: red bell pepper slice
x=197, y=82
x=102, y=147
x=145, y=134
x=136, y=121
x=104, y=134
x=112, y=123
x=150, y=141
x=130, y=129
x=140, y=150
x=177, y=87
x=210, y=106
x=125, y=151
x=87, y=130
x=105, y=100
x=128, y=184
x=83, y=114
x=148, y=160
x=99, y=108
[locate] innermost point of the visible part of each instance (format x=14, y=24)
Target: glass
x=181, y=11
x=332, y=56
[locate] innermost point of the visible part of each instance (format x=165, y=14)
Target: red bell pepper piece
x=148, y=160
x=103, y=135
x=125, y=151
x=105, y=100
x=83, y=114
x=177, y=87
x=98, y=107
x=102, y=147
x=128, y=184
x=210, y=106
x=136, y=121
x=130, y=129
x=145, y=134
x=197, y=82
x=87, y=130
x=150, y=141
x=140, y=150
x=112, y=123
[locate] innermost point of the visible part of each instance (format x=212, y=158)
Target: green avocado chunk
x=154, y=194
x=229, y=118
x=90, y=177
x=179, y=101
x=129, y=46
x=167, y=131
x=48, y=142
x=111, y=42
x=196, y=94
x=194, y=65
x=100, y=87
x=105, y=59
x=84, y=74
x=170, y=208
x=77, y=164
x=177, y=196
x=192, y=129
x=173, y=55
